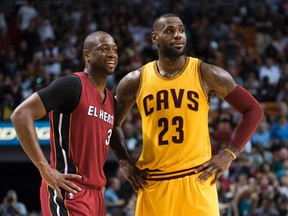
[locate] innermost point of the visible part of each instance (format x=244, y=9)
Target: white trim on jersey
x=60, y=142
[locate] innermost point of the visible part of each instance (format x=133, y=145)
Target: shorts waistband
x=84, y=186
x=158, y=175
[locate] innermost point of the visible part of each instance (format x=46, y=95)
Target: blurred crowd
x=42, y=41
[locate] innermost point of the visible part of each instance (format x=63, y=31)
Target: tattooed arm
x=219, y=82
x=125, y=99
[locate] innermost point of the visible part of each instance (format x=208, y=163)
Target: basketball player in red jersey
x=81, y=114
x=172, y=95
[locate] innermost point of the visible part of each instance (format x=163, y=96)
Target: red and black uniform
x=81, y=124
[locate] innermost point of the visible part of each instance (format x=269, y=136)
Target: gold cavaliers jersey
x=174, y=120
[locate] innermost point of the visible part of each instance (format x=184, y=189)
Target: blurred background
x=42, y=40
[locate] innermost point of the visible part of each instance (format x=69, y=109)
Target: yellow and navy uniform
x=176, y=140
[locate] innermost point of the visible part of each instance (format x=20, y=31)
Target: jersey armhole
x=201, y=81
x=80, y=92
x=140, y=83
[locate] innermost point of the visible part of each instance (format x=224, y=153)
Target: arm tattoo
x=222, y=77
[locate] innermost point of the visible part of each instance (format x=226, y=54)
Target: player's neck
x=168, y=67
x=98, y=82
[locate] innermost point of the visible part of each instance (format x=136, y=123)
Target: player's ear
x=86, y=54
x=154, y=37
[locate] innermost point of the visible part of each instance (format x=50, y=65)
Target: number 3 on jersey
x=107, y=141
x=176, y=125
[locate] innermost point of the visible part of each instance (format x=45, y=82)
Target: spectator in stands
x=218, y=29
x=279, y=41
x=271, y=70
x=284, y=183
x=241, y=182
x=266, y=208
x=232, y=66
x=233, y=43
x=242, y=166
x=25, y=14
x=266, y=92
x=125, y=191
x=223, y=132
x=70, y=52
x=10, y=65
x=260, y=156
x=245, y=201
x=266, y=178
x=263, y=26
x=26, y=85
x=280, y=154
x=11, y=206
x=131, y=140
x=51, y=57
x=45, y=29
x=262, y=135
x=283, y=170
x=112, y=200
x=224, y=200
x=279, y=131
x=23, y=55
x=32, y=39
x=12, y=95
x=251, y=83
x=283, y=86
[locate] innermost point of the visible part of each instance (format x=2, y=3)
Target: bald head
x=100, y=53
x=95, y=38
x=158, y=22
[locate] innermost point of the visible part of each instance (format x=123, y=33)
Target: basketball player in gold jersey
x=172, y=95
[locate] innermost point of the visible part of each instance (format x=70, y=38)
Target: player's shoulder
x=132, y=76
x=129, y=84
x=71, y=79
x=136, y=74
x=69, y=82
x=214, y=71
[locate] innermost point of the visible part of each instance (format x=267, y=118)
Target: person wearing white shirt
x=271, y=71
x=25, y=14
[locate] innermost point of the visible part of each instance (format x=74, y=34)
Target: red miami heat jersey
x=80, y=140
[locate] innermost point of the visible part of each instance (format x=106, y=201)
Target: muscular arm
x=126, y=92
x=34, y=108
x=124, y=100
x=23, y=119
x=219, y=82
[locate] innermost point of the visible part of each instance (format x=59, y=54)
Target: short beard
x=170, y=53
